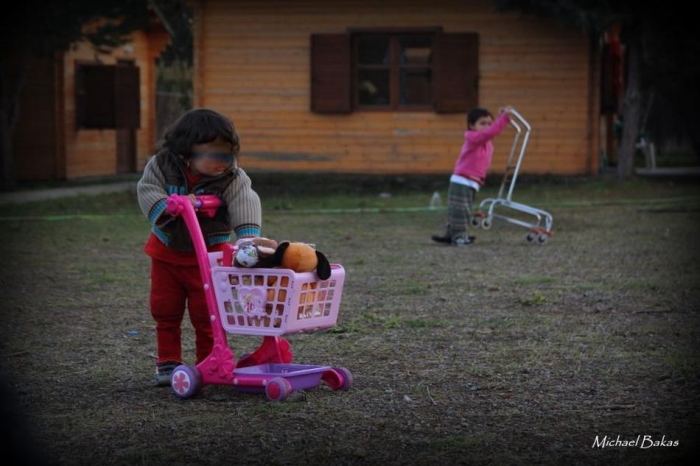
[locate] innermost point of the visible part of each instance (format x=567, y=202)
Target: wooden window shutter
x=456, y=72
x=95, y=96
x=330, y=73
x=107, y=96
x=128, y=97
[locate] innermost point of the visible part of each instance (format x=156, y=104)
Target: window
x=107, y=96
x=422, y=70
x=393, y=71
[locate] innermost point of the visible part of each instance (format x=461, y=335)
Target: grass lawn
x=502, y=352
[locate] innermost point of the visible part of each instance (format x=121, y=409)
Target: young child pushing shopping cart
x=469, y=175
x=195, y=196
x=470, y=172
x=198, y=156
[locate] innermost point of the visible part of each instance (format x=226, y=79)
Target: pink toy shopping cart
x=265, y=302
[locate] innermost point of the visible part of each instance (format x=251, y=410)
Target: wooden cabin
x=360, y=86
x=353, y=86
x=85, y=114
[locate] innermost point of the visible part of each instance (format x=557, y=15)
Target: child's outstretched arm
x=477, y=138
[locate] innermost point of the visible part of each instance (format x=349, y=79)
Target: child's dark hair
x=476, y=113
x=200, y=126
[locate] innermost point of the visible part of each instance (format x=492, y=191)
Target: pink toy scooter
x=257, y=301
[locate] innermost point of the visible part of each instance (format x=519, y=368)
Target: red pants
x=173, y=288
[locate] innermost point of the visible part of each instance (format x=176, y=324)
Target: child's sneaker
x=462, y=240
x=441, y=239
x=163, y=372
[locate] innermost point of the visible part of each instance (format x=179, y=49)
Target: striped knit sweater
x=164, y=175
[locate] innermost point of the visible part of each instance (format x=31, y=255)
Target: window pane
x=373, y=87
x=373, y=49
x=415, y=85
x=416, y=50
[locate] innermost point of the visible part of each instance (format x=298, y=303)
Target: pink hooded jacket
x=475, y=159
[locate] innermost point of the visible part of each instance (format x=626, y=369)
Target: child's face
x=481, y=124
x=211, y=158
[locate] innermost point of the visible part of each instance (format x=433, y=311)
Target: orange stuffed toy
x=266, y=253
x=301, y=257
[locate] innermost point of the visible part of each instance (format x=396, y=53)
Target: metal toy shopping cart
x=540, y=228
x=265, y=302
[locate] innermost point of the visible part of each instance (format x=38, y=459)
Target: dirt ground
x=580, y=351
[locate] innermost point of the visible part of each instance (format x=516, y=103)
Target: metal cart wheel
x=186, y=381
x=486, y=223
x=475, y=221
x=278, y=389
x=530, y=237
x=542, y=238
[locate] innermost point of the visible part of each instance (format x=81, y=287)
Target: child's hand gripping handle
x=207, y=204
x=515, y=116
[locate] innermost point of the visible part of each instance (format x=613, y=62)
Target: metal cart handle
x=520, y=119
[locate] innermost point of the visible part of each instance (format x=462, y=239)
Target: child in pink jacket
x=470, y=172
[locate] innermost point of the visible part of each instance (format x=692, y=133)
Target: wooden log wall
x=252, y=63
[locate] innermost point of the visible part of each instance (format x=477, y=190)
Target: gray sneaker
x=164, y=370
x=462, y=240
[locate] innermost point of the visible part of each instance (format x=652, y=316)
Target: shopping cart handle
x=205, y=204
x=519, y=117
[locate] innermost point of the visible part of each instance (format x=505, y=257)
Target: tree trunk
x=691, y=118
x=631, y=114
x=6, y=174
x=7, y=179
x=13, y=76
